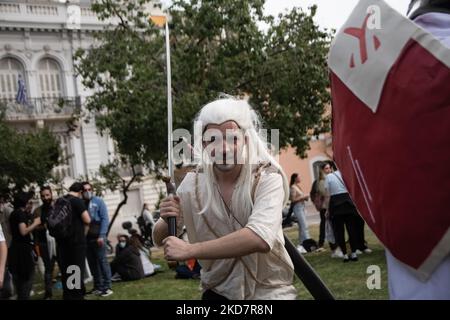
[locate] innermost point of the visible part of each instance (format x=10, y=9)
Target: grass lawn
x=345, y=280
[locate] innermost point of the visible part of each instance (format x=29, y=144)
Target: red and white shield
x=391, y=131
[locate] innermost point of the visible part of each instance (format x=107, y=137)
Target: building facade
x=308, y=168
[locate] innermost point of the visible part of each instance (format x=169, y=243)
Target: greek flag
x=21, y=96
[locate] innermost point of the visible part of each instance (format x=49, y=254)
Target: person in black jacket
x=122, y=243
x=127, y=262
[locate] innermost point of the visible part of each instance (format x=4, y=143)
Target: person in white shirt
x=231, y=207
x=343, y=215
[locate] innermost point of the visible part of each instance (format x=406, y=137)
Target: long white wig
x=255, y=151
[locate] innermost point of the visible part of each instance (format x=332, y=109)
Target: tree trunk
x=125, y=188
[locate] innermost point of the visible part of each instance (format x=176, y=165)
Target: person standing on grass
x=41, y=241
x=298, y=199
x=343, y=215
x=21, y=257
x=231, y=207
x=318, y=196
x=96, y=242
x=72, y=249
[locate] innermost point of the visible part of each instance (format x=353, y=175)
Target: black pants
x=23, y=285
x=360, y=232
x=148, y=233
x=340, y=223
x=70, y=256
x=322, y=230
x=21, y=264
x=49, y=265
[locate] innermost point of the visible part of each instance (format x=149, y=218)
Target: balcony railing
x=53, y=14
x=40, y=108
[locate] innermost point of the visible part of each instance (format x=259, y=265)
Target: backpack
x=59, y=220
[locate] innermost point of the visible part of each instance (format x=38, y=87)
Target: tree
x=25, y=158
x=216, y=46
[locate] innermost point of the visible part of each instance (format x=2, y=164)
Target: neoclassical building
x=37, y=41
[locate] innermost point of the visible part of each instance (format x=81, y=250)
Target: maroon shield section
x=396, y=162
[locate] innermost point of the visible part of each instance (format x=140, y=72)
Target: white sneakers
x=367, y=250
x=106, y=293
x=301, y=249
x=337, y=254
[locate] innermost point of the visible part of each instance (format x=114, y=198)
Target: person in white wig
x=231, y=207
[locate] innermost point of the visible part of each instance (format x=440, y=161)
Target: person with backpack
x=96, y=242
x=68, y=223
x=21, y=256
x=231, y=209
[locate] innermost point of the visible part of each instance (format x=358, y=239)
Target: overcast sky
x=330, y=13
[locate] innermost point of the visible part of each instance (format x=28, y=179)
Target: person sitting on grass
x=127, y=263
x=122, y=243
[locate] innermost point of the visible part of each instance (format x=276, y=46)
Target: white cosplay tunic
x=256, y=276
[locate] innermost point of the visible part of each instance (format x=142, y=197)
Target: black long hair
x=21, y=199
x=293, y=178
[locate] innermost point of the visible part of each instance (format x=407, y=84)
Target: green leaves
x=25, y=158
x=216, y=46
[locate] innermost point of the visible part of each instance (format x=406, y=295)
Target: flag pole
x=172, y=225
x=169, y=104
